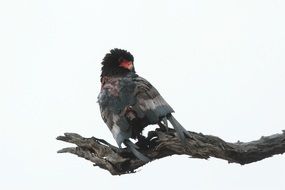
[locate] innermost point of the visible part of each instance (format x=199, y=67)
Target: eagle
x=129, y=103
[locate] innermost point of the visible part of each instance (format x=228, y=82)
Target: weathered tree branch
x=120, y=161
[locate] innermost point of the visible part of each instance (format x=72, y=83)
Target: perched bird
x=129, y=103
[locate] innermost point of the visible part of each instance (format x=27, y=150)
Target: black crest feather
x=111, y=61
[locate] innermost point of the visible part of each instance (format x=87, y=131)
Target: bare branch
x=120, y=161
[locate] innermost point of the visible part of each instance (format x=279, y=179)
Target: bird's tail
x=133, y=148
x=181, y=132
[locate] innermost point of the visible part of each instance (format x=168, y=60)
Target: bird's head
x=117, y=63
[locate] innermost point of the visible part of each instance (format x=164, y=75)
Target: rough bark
x=121, y=161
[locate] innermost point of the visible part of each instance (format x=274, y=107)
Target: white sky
x=220, y=64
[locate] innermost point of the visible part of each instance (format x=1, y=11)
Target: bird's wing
x=149, y=104
x=112, y=106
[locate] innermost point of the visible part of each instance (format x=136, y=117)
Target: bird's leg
x=133, y=148
x=181, y=132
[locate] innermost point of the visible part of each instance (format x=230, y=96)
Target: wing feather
x=149, y=103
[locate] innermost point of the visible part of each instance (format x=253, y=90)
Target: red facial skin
x=126, y=64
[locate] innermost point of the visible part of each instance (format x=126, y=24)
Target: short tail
x=181, y=132
x=133, y=148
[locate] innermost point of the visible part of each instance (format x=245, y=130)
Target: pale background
x=220, y=64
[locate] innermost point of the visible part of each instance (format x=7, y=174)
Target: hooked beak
x=127, y=65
